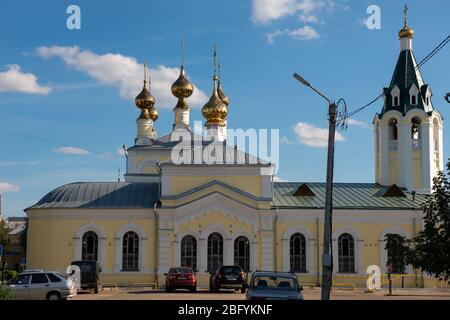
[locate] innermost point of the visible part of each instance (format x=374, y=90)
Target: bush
x=5, y=293
x=9, y=274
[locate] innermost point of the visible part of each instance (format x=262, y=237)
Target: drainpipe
x=275, y=230
x=318, y=251
x=156, y=242
x=414, y=235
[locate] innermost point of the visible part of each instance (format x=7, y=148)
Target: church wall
x=55, y=235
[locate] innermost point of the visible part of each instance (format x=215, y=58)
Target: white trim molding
x=143, y=238
x=359, y=247
x=78, y=245
x=286, y=248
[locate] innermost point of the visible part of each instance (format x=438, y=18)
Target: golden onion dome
x=215, y=110
x=153, y=113
x=144, y=99
x=406, y=31
x=182, y=88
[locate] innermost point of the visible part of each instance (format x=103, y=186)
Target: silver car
x=34, y=284
x=267, y=285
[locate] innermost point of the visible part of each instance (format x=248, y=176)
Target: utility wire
x=54, y=142
x=420, y=64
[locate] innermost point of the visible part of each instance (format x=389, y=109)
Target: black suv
x=90, y=274
x=228, y=277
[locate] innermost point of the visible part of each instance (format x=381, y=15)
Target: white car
x=39, y=285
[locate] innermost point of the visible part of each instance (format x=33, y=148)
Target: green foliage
x=5, y=293
x=9, y=274
x=430, y=249
x=397, y=251
x=4, y=236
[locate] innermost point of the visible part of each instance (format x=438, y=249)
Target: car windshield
x=180, y=270
x=274, y=283
x=231, y=270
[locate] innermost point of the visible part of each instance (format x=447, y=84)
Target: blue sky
x=76, y=87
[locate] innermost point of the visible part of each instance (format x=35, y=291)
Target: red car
x=181, y=278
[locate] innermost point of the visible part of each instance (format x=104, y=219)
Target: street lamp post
x=327, y=256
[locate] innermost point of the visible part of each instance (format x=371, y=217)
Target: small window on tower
x=395, y=101
x=413, y=99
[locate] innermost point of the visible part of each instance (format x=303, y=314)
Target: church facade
x=204, y=215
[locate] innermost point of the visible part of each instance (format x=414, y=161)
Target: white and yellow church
x=205, y=215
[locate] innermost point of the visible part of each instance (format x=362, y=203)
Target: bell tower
x=408, y=130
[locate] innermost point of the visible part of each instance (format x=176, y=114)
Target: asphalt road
x=309, y=294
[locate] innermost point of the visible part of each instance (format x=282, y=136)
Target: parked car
x=181, y=278
x=90, y=274
x=228, y=277
x=274, y=286
x=40, y=284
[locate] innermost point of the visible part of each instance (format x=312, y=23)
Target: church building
x=202, y=215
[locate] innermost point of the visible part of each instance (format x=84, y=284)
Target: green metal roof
x=345, y=196
x=405, y=75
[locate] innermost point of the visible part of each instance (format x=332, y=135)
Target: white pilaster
x=427, y=155
x=384, y=155
x=404, y=164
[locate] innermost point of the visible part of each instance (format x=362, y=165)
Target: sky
x=66, y=96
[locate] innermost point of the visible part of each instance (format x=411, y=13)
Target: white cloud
x=313, y=136
x=308, y=18
x=8, y=187
x=305, y=33
x=122, y=72
x=272, y=35
x=265, y=11
x=285, y=140
x=14, y=80
x=72, y=150
x=278, y=179
x=354, y=122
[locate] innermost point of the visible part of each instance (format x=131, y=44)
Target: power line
x=54, y=142
x=420, y=64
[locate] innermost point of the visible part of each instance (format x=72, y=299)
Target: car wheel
x=211, y=288
x=96, y=290
x=194, y=289
x=53, y=296
x=168, y=289
x=243, y=289
x=216, y=289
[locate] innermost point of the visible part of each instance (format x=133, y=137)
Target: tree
x=430, y=249
x=397, y=251
x=4, y=233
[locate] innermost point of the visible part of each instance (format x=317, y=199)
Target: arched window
x=393, y=132
x=215, y=251
x=242, y=253
x=395, y=101
x=398, y=264
x=413, y=99
x=89, y=246
x=297, y=245
x=189, y=252
x=130, y=252
x=346, y=253
x=415, y=128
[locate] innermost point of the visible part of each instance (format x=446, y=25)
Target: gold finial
x=215, y=77
x=406, y=31
x=405, y=13
x=220, y=92
x=182, y=53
